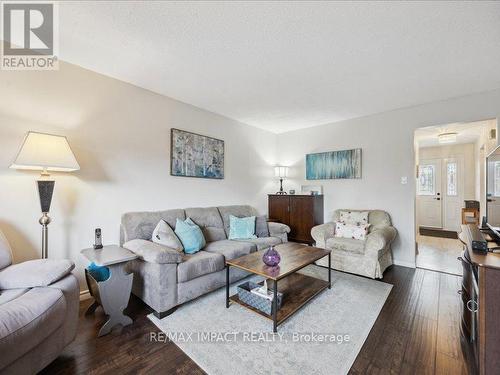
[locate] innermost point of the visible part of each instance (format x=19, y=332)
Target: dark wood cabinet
x=480, y=326
x=300, y=212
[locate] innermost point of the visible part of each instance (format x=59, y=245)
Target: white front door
x=429, y=201
x=453, y=192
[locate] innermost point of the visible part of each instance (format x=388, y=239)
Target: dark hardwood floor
x=417, y=332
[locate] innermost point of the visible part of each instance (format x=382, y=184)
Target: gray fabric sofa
x=367, y=258
x=38, y=311
x=165, y=278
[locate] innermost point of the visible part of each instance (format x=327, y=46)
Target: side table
x=112, y=294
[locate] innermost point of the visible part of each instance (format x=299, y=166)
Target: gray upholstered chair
x=367, y=258
x=39, y=302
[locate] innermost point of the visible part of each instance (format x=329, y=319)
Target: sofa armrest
x=153, y=252
x=380, y=239
x=35, y=273
x=320, y=233
x=71, y=291
x=279, y=230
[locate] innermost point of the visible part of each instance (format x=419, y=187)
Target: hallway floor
x=439, y=254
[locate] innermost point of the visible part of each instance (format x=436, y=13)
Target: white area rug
x=242, y=342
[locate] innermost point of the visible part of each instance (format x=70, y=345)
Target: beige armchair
x=367, y=258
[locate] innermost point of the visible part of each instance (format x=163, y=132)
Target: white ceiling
x=466, y=132
x=289, y=65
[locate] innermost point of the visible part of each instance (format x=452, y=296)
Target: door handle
x=438, y=199
x=472, y=306
x=490, y=200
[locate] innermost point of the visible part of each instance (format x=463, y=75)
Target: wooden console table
x=480, y=293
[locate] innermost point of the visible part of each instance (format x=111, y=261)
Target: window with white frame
x=451, y=178
x=426, y=180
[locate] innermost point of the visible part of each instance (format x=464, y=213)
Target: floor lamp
x=45, y=153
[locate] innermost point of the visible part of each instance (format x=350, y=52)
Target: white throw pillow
x=356, y=232
x=164, y=235
x=354, y=217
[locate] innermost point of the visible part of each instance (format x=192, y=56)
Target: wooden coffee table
x=297, y=289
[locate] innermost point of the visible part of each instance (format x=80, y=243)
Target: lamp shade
x=281, y=172
x=48, y=152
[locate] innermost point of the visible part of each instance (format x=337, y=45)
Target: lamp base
x=45, y=221
x=281, y=193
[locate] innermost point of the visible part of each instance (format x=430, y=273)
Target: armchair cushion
x=33, y=273
x=28, y=320
x=153, y=252
x=346, y=244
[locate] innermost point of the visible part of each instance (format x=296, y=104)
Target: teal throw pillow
x=241, y=228
x=190, y=235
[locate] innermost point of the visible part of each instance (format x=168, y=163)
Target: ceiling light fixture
x=447, y=137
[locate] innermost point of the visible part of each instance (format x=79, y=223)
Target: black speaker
x=45, y=191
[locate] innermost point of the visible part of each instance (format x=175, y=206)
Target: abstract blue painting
x=333, y=165
x=195, y=155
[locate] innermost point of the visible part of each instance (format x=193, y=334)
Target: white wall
x=482, y=148
x=387, y=141
x=466, y=151
x=120, y=135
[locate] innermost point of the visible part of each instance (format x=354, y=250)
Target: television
x=493, y=191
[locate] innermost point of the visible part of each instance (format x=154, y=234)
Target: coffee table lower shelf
x=297, y=290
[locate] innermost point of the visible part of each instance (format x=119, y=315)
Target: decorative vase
x=271, y=257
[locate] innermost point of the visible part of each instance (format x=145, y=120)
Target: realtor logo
x=29, y=35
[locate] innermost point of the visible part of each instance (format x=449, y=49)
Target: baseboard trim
x=84, y=294
x=404, y=264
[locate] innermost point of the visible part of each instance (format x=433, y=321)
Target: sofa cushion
x=263, y=242
x=33, y=273
x=153, y=252
x=230, y=249
x=5, y=252
x=346, y=244
x=141, y=224
x=199, y=264
x=26, y=321
x=210, y=222
x=261, y=227
x=238, y=211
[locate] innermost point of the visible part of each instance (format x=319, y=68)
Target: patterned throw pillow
x=164, y=235
x=356, y=232
x=354, y=217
